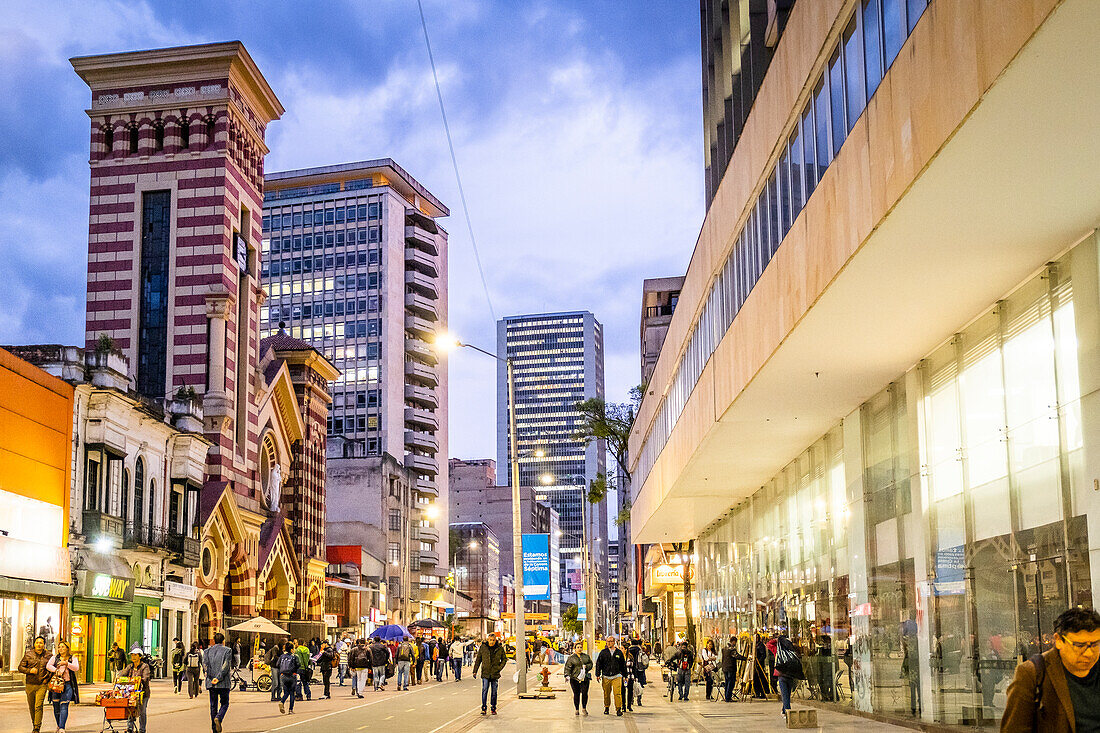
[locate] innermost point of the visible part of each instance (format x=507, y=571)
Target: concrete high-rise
x=558, y=361
x=659, y=297
x=356, y=264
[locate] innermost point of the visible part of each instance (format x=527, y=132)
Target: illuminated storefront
x=35, y=580
x=103, y=610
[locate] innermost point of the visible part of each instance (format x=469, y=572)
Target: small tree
x=569, y=620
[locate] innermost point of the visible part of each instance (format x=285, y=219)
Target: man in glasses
x=1059, y=691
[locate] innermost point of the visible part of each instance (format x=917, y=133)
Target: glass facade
x=156, y=228
x=922, y=548
x=322, y=268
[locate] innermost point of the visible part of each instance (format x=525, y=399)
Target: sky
x=577, y=127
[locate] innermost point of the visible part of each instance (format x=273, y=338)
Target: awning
x=102, y=562
x=349, y=586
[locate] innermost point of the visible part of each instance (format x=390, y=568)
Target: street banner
x=536, y=567
x=582, y=606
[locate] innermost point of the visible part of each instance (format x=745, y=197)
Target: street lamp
x=446, y=342
x=586, y=565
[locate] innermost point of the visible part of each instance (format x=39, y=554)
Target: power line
x=454, y=162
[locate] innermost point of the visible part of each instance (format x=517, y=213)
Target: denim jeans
x=218, y=696
x=456, y=666
x=343, y=673
x=61, y=705
x=785, y=684
x=403, y=669
x=287, y=683
x=731, y=678
x=683, y=683
x=379, y=676
x=486, y=685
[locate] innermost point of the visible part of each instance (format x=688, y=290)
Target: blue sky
x=577, y=127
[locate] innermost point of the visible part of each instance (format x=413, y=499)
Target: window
x=893, y=29
x=139, y=491
x=836, y=95
x=395, y=553
x=210, y=131
x=185, y=133
x=784, y=194
x=375, y=211
x=153, y=305
x=808, y=157
x=375, y=234
x=158, y=137
x=872, y=45
x=133, y=139
x=426, y=547
x=916, y=8
x=330, y=217
x=853, y=73
x=351, y=213
x=318, y=218
x=774, y=235
x=297, y=219
x=395, y=520
x=109, y=138
x=794, y=145
x=821, y=122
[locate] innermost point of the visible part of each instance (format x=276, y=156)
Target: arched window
x=125, y=495
x=139, y=493
x=185, y=131
x=210, y=131
x=109, y=138
x=158, y=136
x=133, y=139
x=152, y=502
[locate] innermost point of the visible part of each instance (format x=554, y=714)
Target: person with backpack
x=193, y=665
x=637, y=661
x=287, y=667
x=682, y=661
x=325, y=658
x=1058, y=691
x=139, y=667
x=359, y=661
x=217, y=663
x=578, y=670
x=178, y=653
x=455, y=655
x=406, y=652
x=379, y=658
x=492, y=659
x=788, y=668
x=304, y=671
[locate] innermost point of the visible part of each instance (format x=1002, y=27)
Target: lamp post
x=586, y=567
x=445, y=342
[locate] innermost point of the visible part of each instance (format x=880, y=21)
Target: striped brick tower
x=177, y=164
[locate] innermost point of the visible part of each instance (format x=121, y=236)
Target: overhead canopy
x=426, y=623
x=258, y=625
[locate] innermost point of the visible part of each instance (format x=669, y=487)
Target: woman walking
x=178, y=654
x=578, y=670
x=788, y=668
x=62, y=684
x=708, y=658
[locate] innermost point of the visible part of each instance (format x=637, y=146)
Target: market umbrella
x=390, y=632
x=427, y=623
x=258, y=625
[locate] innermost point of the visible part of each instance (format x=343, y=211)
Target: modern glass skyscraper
x=558, y=362
x=355, y=264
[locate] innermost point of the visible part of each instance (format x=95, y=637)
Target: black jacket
x=359, y=657
x=683, y=654
x=379, y=655
x=491, y=660
x=730, y=657
x=610, y=663
x=325, y=659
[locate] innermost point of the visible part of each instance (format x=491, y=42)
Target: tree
x=569, y=621
x=610, y=422
x=685, y=568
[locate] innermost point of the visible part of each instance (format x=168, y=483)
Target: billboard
x=582, y=606
x=536, y=567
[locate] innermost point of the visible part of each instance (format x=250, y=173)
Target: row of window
x=300, y=242
x=319, y=263
x=871, y=41
x=276, y=194
x=322, y=216
x=319, y=309
x=133, y=135
x=356, y=424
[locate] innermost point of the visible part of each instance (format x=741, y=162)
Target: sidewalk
x=658, y=715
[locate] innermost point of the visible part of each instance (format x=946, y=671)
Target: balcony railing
x=654, y=311
x=144, y=535
x=185, y=548
x=97, y=524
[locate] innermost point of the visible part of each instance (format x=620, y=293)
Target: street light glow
x=445, y=341
x=473, y=544
x=432, y=512
x=546, y=479
x=540, y=453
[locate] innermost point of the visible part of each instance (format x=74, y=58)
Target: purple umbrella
x=390, y=632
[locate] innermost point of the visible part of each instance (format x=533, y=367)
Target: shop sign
x=102, y=585
x=670, y=574
x=180, y=590
x=152, y=613
x=330, y=619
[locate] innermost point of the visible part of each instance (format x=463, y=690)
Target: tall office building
x=875, y=411
x=356, y=264
x=739, y=38
x=558, y=362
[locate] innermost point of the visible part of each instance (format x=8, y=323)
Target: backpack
x=787, y=662
x=643, y=660
x=404, y=652
x=194, y=659
x=288, y=664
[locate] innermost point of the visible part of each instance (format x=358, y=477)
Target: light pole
x=586, y=569
x=445, y=342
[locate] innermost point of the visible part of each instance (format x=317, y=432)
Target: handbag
x=56, y=683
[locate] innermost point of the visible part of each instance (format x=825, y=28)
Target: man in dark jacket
x=730, y=658
x=359, y=663
x=326, y=657
x=682, y=660
x=610, y=671
x=379, y=658
x=492, y=660
x=1065, y=679
x=33, y=665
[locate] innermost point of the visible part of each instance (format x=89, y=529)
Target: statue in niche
x=274, y=487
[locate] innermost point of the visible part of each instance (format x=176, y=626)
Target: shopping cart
x=120, y=703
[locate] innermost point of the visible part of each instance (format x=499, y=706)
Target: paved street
x=435, y=708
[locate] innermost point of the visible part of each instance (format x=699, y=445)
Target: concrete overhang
x=1015, y=185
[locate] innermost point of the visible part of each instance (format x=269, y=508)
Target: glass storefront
x=922, y=548
x=22, y=618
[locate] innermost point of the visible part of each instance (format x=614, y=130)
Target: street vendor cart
x=120, y=703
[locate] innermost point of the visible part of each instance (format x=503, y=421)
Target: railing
x=653, y=311
x=186, y=549
x=144, y=535
x=95, y=523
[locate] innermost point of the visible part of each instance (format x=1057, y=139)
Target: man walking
x=304, y=672
x=682, y=660
x=34, y=666
x=342, y=648
x=1059, y=691
x=455, y=654
x=422, y=656
x=610, y=671
x=217, y=664
x=491, y=659
x=379, y=658
x=405, y=653
x=730, y=657
x=325, y=659
x=359, y=661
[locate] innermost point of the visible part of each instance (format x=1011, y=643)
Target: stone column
x=217, y=405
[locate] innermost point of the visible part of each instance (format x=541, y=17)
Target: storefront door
x=100, y=646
